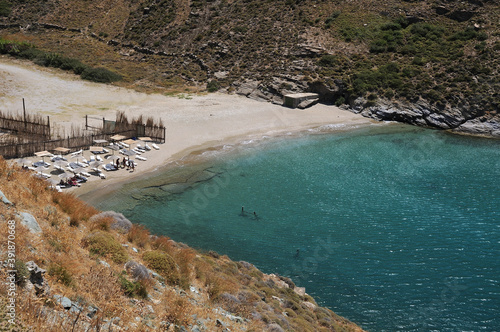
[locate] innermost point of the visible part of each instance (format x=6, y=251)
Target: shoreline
x=92, y=192
x=194, y=122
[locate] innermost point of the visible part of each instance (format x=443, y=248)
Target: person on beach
x=132, y=165
x=124, y=162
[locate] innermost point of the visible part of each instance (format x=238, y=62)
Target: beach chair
x=141, y=158
x=98, y=158
x=147, y=147
x=155, y=146
x=92, y=158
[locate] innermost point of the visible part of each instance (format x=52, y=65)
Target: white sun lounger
x=155, y=146
x=141, y=158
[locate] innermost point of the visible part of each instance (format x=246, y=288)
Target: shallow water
x=395, y=228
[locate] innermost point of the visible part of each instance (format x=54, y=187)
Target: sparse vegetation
x=27, y=51
x=105, y=244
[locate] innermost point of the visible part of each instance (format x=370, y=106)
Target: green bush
x=331, y=18
x=5, y=8
x=104, y=244
x=61, y=274
x=164, y=264
x=100, y=75
x=213, y=86
x=328, y=60
x=132, y=288
x=22, y=273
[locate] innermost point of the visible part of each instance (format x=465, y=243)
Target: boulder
x=63, y=301
x=30, y=222
x=246, y=88
x=4, y=199
x=274, y=328
x=308, y=103
x=137, y=271
x=36, y=278
x=461, y=15
x=480, y=126
x=120, y=223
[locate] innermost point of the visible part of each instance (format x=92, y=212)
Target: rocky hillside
x=425, y=62
x=68, y=267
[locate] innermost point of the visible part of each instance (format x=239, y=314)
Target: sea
x=396, y=228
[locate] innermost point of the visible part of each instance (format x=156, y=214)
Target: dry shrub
x=217, y=284
x=118, y=221
x=162, y=243
x=139, y=235
x=177, y=309
x=101, y=286
x=100, y=223
x=61, y=274
x=105, y=244
x=76, y=209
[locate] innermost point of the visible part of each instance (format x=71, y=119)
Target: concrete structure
x=295, y=99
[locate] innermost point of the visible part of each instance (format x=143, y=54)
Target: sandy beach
x=193, y=122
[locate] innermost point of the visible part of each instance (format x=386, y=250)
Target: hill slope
x=428, y=62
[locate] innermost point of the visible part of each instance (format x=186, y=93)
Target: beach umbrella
x=61, y=163
x=95, y=164
x=53, y=182
x=78, y=170
x=65, y=176
x=43, y=154
x=129, y=153
x=23, y=161
x=114, y=148
x=113, y=157
x=77, y=156
x=39, y=170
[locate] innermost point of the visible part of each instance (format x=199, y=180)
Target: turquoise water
x=396, y=228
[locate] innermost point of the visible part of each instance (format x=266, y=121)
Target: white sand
x=196, y=123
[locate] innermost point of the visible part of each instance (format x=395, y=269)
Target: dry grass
x=77, y=210
x=176, y=308
x=139, y=235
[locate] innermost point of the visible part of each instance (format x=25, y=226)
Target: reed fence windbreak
x=29, y=125
x=21, y=144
